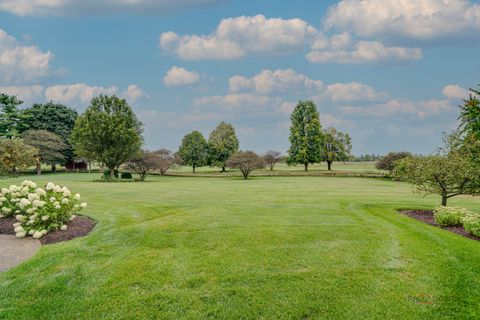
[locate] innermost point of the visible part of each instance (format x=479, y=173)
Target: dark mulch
x=427, y=217
x=6, y=225
x=79, y=227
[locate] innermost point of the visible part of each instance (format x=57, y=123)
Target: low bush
x=471, y=223
x=39, y=211
x=126, y=175
x=450, y=216
x=106, y=174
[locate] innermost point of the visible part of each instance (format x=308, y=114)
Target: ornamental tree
x=222, y=144
x=53, y=117
x=305, y=135
x=246, y=162
x=50, y=147
x=144, y=163
x=271, y=158
x=108, y=132
x=387, y=162
x=10, y=118
x=335, y=146
x=193, y=150
x=447, y=175
x=166, y=160
x=16, y=154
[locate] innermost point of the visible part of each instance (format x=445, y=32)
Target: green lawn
x=270, y=247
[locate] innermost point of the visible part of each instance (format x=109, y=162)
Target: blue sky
x=391, y=73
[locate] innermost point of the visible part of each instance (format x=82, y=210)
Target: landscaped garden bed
x=78, y=227
x=427, y=216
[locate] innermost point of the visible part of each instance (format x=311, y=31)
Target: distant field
x=266, y=248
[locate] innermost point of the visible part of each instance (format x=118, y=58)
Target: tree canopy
x=193, y=150
x=15, y=154
x=222, y=144
x=108, y=132
x=10, y=116
x=50, y=147
x=271, y=158
x=335, y=146
x=448, y=173
x=305, y=135
x=144, y=163
x=387, y=162
x=246, y=162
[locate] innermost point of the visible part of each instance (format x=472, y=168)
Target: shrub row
x=455, y=217
x=39, y=211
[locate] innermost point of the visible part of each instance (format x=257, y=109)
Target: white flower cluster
x=38, y=210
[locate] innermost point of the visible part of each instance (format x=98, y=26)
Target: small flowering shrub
x=471, y=223
x=39, y=211
x=450, y=216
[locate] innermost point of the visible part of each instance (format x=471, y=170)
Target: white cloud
x=291, y=82
x=453, y=91
x=425, y=20
x=421, y=109
x=76, y=92
x=180, y=76
x=27, y=94
x=134, y=93
x=269, y=81
x=236, y=37
x=238, y=102
x=95, y=7
x=360, y=52
x=352, y=91
x=19, y=63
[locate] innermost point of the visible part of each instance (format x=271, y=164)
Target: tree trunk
x=444, y=200
x=112, y=173
x=38, y=168
x=89, y=166
x=54, y=168
x=271, y=167
x=223, y=169
x=306, y=166
x=329, y=164
x=193, y=168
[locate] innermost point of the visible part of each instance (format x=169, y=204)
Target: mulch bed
x=79, y=227
x=427, y=217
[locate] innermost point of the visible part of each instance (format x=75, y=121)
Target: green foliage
x=15, y=155
x=471, y=223
x=49, y=145
x=108, y=132
x=470, y=115
x=10, y=117
x=450, y=216
x=222, y=144
x=305, y=135
x=126, y=175
x=387, y=162
x=447, y=175
x=246, y=162
x=193, y=150
x=335, y=146
x=53, y=117
x=106, y=174
x=39, y=211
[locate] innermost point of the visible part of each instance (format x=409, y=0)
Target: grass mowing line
x=248, y=254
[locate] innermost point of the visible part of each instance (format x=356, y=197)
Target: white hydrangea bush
x=39, y=211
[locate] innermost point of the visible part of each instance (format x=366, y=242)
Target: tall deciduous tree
x=50, y=146
x=53, y=117
x=336, y=146
x=108, y=132
x=193, y=150
x=10, y=118
x=305, y=135
x=222, y=144
x=246, y=162
x=15, y=154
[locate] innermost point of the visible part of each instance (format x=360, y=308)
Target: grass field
x=270, y=247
